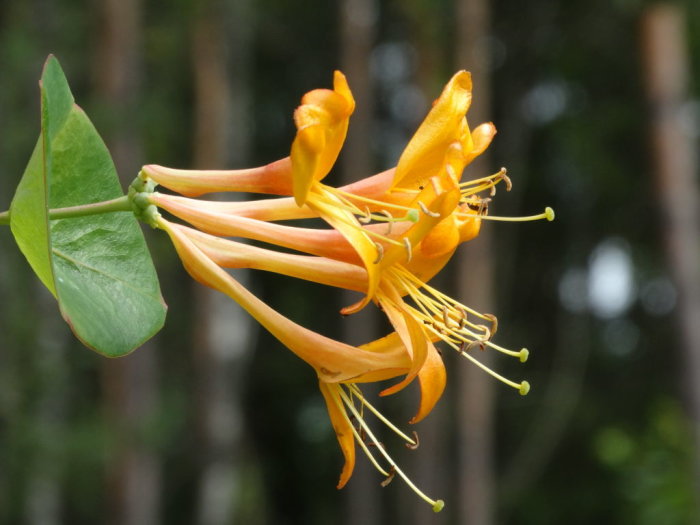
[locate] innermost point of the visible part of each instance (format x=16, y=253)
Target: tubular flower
x=441, y=148
x=339, y=367
x=390, y=234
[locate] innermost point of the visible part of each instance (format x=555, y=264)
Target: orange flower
x=440, y=149
x=390, y=234
x=339, y=367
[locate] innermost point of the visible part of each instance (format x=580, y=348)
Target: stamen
x=448, y=320
x=409, y=250
x=366, y=450
x=366, y=218
x=506, y=179
x=380, y=253
x=389, y=478
x=522, y=387
x=548, y=214
x=445, y=316
x=416, y=444
x=522, y=354
x=475, y=186
x=352, y=196
x=425, y=210
x=494, y=323
x=389, y=221
x=358, y=393
x=436, y=504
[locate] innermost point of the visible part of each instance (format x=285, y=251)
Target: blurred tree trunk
x=222, y=339
x=675, y=162
x=475, y=279
x=133, y=474
x=429, y=466
x=358, y=31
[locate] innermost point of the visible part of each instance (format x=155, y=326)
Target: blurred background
x=597, y=105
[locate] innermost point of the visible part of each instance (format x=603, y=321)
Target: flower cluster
x=389, y=235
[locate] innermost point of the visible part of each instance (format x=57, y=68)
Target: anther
x=439, y=505
x=549, y=214
x=409, y=250
x=366, y=218
x=412, y=215
x=487, y=332
x=467, y=346
x=483, y=206
x=524, y=354
x=380, y=253
x=494, y=323
x=389, y=221
x=425, y=210
x=416, y=442
x=389, y=478
x=505, y=178
x=463, y=320
x=445, y=317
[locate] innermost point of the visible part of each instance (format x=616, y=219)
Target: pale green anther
x=524, y=388
x=549, y=214
x=439, y=505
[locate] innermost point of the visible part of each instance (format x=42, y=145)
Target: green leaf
x=98, y=267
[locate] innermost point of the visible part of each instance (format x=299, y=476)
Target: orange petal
x=440, y=197
x=346, y=223
x=342, y=427
x=322, y=124
x=232, y=254
x=322, y=242
x=413, y=337
x=424, y=155
x=274, y=178
x=432, y=379
x=481, y=137
x=333, y=361
x=441, y=239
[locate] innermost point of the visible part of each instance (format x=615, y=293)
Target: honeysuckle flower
x=339, y=367
x=426, y=209
x=440, y=149
x=390, y=234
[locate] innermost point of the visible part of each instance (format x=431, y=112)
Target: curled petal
x=432, y=379
x=481, y=138
x=322, y=124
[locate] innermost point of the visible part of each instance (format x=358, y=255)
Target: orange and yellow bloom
x=389, y=235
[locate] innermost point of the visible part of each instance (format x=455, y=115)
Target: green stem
x=119, y=204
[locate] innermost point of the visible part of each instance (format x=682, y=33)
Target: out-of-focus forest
x=597, y=106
